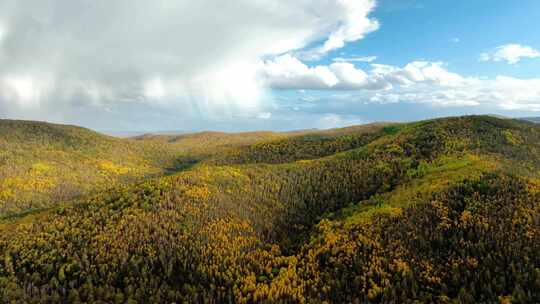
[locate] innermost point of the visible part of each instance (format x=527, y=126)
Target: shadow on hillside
x=181, y=164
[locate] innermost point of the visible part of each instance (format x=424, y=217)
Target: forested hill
x=47, y=133
x=438, y=211
x=44, y=164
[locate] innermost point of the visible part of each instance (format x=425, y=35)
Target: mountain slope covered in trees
x=43, y=164
x=443, y=211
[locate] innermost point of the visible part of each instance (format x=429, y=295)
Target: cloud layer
x=198, y=55
x=511, y=53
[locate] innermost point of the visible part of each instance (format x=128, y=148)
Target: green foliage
x=302, y=146
x=391, y=130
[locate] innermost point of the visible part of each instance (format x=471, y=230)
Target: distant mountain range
x=533, y=119
x=126, y=134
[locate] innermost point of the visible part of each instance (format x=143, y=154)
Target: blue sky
x=135, y=65
x=453, y=32
x=413, y=30
x=425, y=29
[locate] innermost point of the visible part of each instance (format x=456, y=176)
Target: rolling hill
x=43, y=164
x=444, y=211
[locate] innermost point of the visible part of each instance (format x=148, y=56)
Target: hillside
x=444, y=211
x=43, y=164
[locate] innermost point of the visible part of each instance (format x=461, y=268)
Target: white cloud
x=416, y=82
x=25, y=91
x=385, y=98
x=154, y=89
x=332, y=120
x=511, y=53
x=264, y=115
x=416, y=72
x=199, y=56
x=455, y=40
x=353, y=27
x=23, y=87
x=349, y=77
x=355, y=59
x=503, y=92
x=287, y=72
x=3, y=33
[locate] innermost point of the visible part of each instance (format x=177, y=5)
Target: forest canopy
x=438, y=211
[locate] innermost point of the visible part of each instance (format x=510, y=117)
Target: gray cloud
x=201, y=56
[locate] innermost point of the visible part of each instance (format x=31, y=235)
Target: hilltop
x=444, y=210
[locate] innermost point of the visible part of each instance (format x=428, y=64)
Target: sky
x=137, y=65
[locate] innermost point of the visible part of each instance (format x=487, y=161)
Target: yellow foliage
x=512, y=138
x=110, y=167
x=198, y=192
x=42, y=167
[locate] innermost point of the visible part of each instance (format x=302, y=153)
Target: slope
x=440, y=210
x=42, y=164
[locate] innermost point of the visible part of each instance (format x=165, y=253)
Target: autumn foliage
x=440, y=211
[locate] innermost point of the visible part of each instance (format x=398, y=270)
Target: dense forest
x=42, y=164
x=438, y=211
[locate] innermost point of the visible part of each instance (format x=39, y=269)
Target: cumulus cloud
x=416, y=82
x=513, y=93
x=354, y=27
x=502, y=92
x=511, y=53
x=287, y=72
x=416, y=72
x=201, y=56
